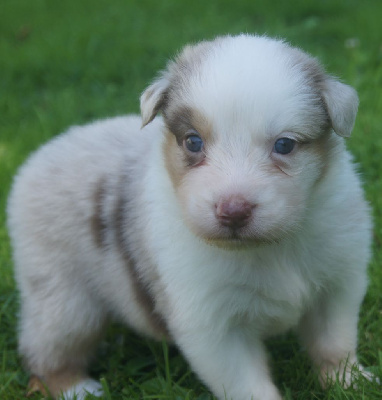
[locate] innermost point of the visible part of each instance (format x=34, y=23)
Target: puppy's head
x=250, y=126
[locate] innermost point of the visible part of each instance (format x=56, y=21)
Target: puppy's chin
x=234, y=241
x=233, y=244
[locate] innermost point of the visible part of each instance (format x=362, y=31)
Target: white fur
x=82, y=389
x=300, y=263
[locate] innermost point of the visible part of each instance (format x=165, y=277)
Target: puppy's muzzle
x=234, y=212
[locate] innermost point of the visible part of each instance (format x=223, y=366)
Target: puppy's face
x=248, y=135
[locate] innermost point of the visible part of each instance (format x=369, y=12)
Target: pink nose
x=234, y=211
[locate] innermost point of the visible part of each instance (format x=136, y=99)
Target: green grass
x=67, y=62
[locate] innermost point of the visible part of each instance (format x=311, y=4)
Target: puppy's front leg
x=234, y=364
x=329, y=332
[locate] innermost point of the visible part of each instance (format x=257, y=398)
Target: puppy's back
x=54, y=192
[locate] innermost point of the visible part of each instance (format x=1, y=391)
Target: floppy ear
x=153, y=97
x=342, y=104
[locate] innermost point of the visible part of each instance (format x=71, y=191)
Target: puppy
x=236, y=216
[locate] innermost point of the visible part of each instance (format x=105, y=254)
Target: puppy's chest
x=268, y=299
x=272, y=301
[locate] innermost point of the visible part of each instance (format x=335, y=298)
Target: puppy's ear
x=342, y=104
x=152, y=99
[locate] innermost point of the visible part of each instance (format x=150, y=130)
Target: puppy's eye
x=193, y=143
x=284, y=145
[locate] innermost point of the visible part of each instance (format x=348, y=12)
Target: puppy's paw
x=346, y=374
x=368, y=375
x=82, y=389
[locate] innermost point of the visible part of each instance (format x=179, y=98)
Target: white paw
x=82, y=389
x=368, y=375
x=346, y=375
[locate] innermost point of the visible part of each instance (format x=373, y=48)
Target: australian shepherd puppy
x=234, y=216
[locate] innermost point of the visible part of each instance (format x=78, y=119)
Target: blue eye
x=284, y=146
x=194, y=143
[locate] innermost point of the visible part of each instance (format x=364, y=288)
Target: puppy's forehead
x=250, y=83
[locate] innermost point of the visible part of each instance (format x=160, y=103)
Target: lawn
x=68, y=62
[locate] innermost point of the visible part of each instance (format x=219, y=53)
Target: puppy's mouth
x=231, y=243
x=236, y=240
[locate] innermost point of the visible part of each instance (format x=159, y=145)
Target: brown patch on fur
x=315, y=78
x=55, y=383
x=171, y=84
x=180, y=122
x=174, y=159
x=97, y=223
x=73, y=365
x=142, y=293
x=63, y=379
x=185, y=65
x=36, y=385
